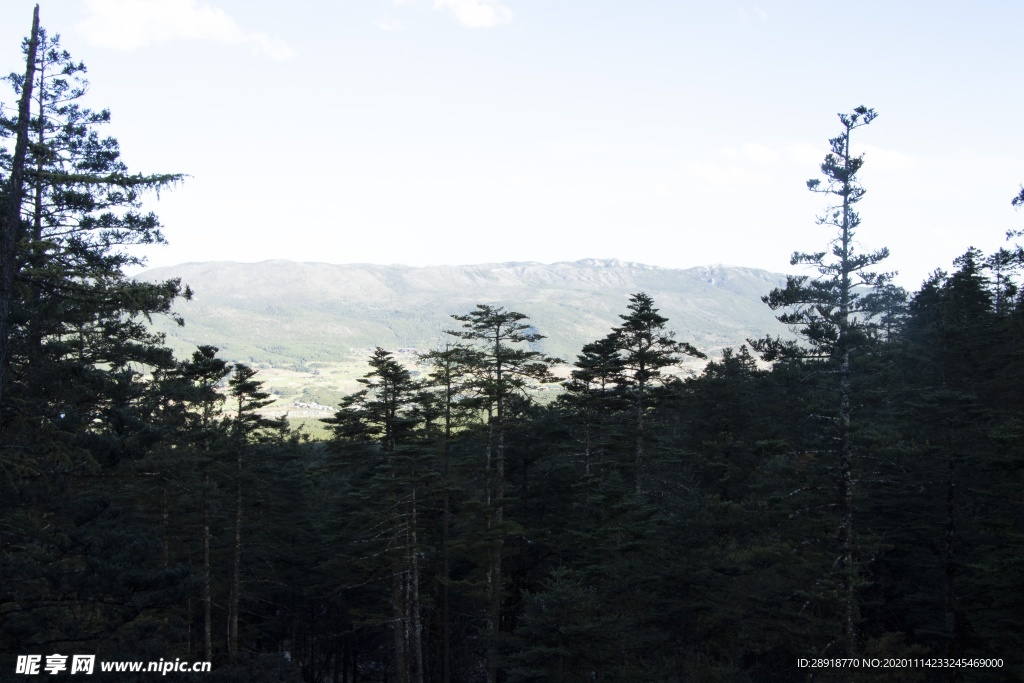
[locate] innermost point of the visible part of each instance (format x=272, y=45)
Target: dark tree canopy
x=853, y=492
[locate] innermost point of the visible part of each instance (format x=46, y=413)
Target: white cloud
x=874, y=157
x=388, y=24
x=755, y=11
x=753, y=153
x=807, y=154
x=133, y=24
x=716, y=175
x=521, y=181
x=887, y=159
x=477, y=13
x=760, y=155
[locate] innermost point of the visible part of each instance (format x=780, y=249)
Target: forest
x=852, y=494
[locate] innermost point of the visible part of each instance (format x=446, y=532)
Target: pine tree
x=836, y=321
x=188, y=415
x=385, y=415
x=74, y=348
x=247, y=427
x=952, y=340
x=11, y=195
x=445, y=406
x=71, y=312
x=505, y=371
x=645, y=349
x=591, y=396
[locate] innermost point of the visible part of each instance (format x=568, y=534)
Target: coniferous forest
x=854, y=493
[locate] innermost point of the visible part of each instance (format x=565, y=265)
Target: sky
x=675, y=133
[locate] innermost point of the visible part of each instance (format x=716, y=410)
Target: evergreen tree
x=74, y=412
x=12, y=194
x=192, y=434
x=591, y=396
x=953, y=339
x=836, y=321
x=645, y=349
x=505, y=371
x=247, y=427
x=384, y=414
x=446, y=406
x=75, y=323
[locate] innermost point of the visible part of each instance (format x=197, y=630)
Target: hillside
x=310, y=326
x=283, y=313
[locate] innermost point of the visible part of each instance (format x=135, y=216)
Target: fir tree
x=505, y=370
x=246, y=428
x=74, y=348
x=384, y=414
x=836, y=321
x=645, y=349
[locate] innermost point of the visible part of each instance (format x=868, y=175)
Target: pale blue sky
x=669, y=132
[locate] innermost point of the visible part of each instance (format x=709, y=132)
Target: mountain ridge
x=283, y=312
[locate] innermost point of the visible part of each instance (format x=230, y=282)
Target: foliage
x=640, y=527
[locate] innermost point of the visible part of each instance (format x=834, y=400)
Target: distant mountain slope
x=285, y=313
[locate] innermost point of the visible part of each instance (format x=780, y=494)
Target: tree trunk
x=446, y=529
x=846, y=512
x=499, y=544
x=949, y=602
x=398, y=612
x=417, y=623
x=445, y=570
x=638, y=459
x=36, y=253
x=207, y=593
x=10, y=216
x=845, y=446
x=236, y=572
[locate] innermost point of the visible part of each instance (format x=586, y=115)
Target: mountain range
x=288, y=314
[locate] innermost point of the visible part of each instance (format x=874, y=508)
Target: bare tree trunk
x=638, y=460
x=845, y=446
x=398, y=610
x=446, y=530
x=417, y=624
x=236, y=572
x=445, y=570
x=207, y=593
x=587, y=429
x=846, y=512
x=10, y=216
x=407, y=619
x=165, y=519
x=493, y=579
x=188, y=621
x=499, y=516
x=950, y=568
x=36, y=254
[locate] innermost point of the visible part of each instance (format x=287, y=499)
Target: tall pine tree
x=833, y=313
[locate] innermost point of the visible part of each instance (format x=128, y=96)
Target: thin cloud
x=716, y=175
x=388, y=24
x=761, y=155
x=134, y=24
x=806, y=154
x=753, y=153
x=755, y=12
x=476, y=13
x=887, y=159
x=875, y=158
